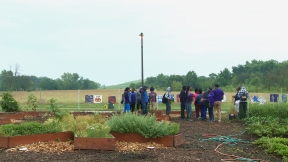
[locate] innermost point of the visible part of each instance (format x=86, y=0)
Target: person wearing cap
x=144, y=99
x=138, y=97
x=152, y=99
x=182, y=97
x=218, y=96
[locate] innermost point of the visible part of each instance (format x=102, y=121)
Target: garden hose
x=231, y=142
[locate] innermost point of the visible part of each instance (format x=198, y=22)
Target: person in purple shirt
x=218, y=96
x=210, y=99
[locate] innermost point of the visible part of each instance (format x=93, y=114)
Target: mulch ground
x=194, y=149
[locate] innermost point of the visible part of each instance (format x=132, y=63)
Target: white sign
x=97, y=99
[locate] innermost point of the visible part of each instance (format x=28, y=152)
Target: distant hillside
x=122, y=85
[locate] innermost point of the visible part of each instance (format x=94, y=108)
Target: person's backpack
x=164, y=99
x=243, y=97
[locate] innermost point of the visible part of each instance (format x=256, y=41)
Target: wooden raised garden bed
x=13, y=141
x=7, y=118
x=95, y=143
x=169, y=141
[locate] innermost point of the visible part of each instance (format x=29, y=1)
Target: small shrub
x=86, y=126
x=8, y=103
x=144, y=125
x=32, y=102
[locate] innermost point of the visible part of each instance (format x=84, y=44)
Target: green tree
x=224, y=77
x=176, y=86
x=6, y=80
x=191, y=79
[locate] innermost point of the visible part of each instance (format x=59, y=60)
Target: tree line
x=256, y=76
x=14, y=81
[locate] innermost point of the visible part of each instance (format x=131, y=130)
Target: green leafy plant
x=267, y=126
x=32, y=102
x=53, y=108
x=144, y=125
x=29, y=128
x=86, y=126
x=8, y=103
x=274, y=145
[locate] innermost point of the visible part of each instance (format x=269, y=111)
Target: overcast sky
x=99, y=39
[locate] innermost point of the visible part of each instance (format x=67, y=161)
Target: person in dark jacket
x=182, y=101
x=139, y=101
x=236, y=99
x=167, y=95
x=126, y=100
x=144, y=99
x=133, y=100
x=188, y=103
x=243, y=95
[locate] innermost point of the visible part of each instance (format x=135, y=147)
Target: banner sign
x=112, y=99
x=274, y=97
x=97, y=98
x=88, y=98
x=284, y=98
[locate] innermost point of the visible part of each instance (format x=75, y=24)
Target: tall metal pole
x=40, y=100
x=142, y=72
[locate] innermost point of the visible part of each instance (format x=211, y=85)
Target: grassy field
x=122, y=85
x=68, y=99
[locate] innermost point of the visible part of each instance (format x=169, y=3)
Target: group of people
x=139, y=99
x=210, y=99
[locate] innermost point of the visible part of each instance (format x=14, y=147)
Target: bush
x=144, y=125
x=8, y=103
x=29, y=128
x=276, y=111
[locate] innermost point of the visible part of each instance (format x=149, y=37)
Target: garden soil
x=195, y=148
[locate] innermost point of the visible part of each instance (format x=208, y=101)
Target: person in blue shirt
x=126, y=100
x=144, y=99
